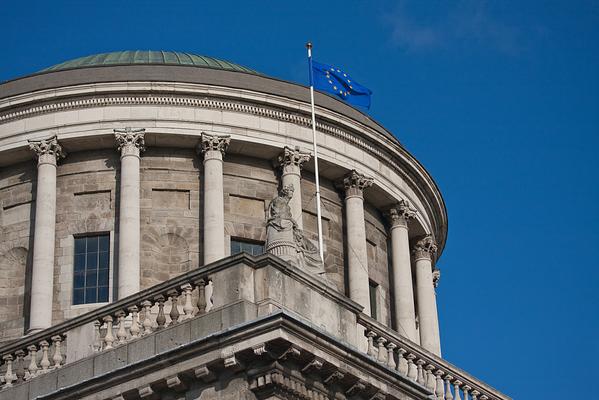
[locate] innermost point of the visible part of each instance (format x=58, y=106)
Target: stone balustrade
x=410, y=360
x=116, y=324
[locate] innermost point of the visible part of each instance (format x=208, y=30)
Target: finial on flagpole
x=309, y=45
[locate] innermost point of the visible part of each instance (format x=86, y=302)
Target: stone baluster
x=109, y=336
x=160, y=318
x=402, y=363
x=45, y=362
x=390, y=357
x=147, y=324
x=213, y=147
x=475, y=394
x=135, y=328
x=421, y=376
x=9, y=377
x=412, y=368
x=48, y=152
x=381, y=351
x=174, y=314
x=188, y=307
x=371, y=350
x=440, y=387
x=357, y=259
x=209, y=291
x=484, y=397
x=121, y=332
x=20, y=365
x=291, y=161
x=201, y=283
x=33, y=361
x=97, y=344
x=466, y=389
x=57, y=356
x=130, y=143
x=430, y=377
x=456, y=389
x=448, y=394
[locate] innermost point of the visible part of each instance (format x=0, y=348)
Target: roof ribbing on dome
x=149, y=57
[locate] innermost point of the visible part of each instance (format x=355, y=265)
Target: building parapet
x=225, y=294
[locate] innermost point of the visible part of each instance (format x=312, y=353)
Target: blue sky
x=500, y=102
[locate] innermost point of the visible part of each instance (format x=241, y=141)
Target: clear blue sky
x=499, y=100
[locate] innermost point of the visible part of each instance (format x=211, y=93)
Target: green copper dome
x=149, y=57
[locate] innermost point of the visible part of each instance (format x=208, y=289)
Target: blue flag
x=333, y=80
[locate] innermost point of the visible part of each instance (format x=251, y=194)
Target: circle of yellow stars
x=342, y=92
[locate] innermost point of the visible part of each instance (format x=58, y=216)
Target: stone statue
x=285, y=240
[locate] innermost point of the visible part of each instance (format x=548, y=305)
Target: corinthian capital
x=213, y=143
x=400, y=213
x=425, y=248
x=291, y=160
x=130, y=141
x=354, y=183
x=48, y=151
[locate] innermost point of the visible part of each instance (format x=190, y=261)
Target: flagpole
x=318, y=212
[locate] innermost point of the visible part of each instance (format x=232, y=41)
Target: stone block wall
x=378, y=261
x=86, y=203
x=170, y=214
x=17, y=209
x=249, y=186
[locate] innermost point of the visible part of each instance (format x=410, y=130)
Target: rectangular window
x=243, y=245
x=373, y=289
x=90, y=272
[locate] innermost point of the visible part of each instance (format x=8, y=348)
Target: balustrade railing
x=445, y=380
x=114, y=325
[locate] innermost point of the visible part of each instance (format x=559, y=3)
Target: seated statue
x=286, y=240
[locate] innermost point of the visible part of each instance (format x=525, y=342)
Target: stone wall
x=171, y=221
x=249, y=186
x=86, y=203
x=170, y=214
x=17, y=208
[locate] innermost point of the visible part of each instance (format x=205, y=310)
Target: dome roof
x=149, y=57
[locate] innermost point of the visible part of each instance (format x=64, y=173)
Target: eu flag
x=334, y=80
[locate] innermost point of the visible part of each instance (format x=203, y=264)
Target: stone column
x=291, y=161
x=214, y=148
x=423, y=252
x=48, y=152
x=357, y=254
x=405, y=316
x=130, y=143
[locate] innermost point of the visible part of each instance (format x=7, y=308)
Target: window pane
x=104, y=243
x=79, y=245
x=78, y=296
x=103, y=260
x=92, y=260
x=79, y=280
x=91, y=269
x=92, y=243
x=91, y=278
x=91, y=295
x=103, y=294
x=103, y=277
x=79, y=262
x=235, y=247
x=373, y=308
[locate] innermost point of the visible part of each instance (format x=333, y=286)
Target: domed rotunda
x=144, y=201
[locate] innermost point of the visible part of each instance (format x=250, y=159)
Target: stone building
x=137, y=259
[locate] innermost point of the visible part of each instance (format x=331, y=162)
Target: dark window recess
x=90, y=272
x=372, y=286
x=241, y=245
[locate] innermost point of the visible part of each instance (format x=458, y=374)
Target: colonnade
x=131, y=143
